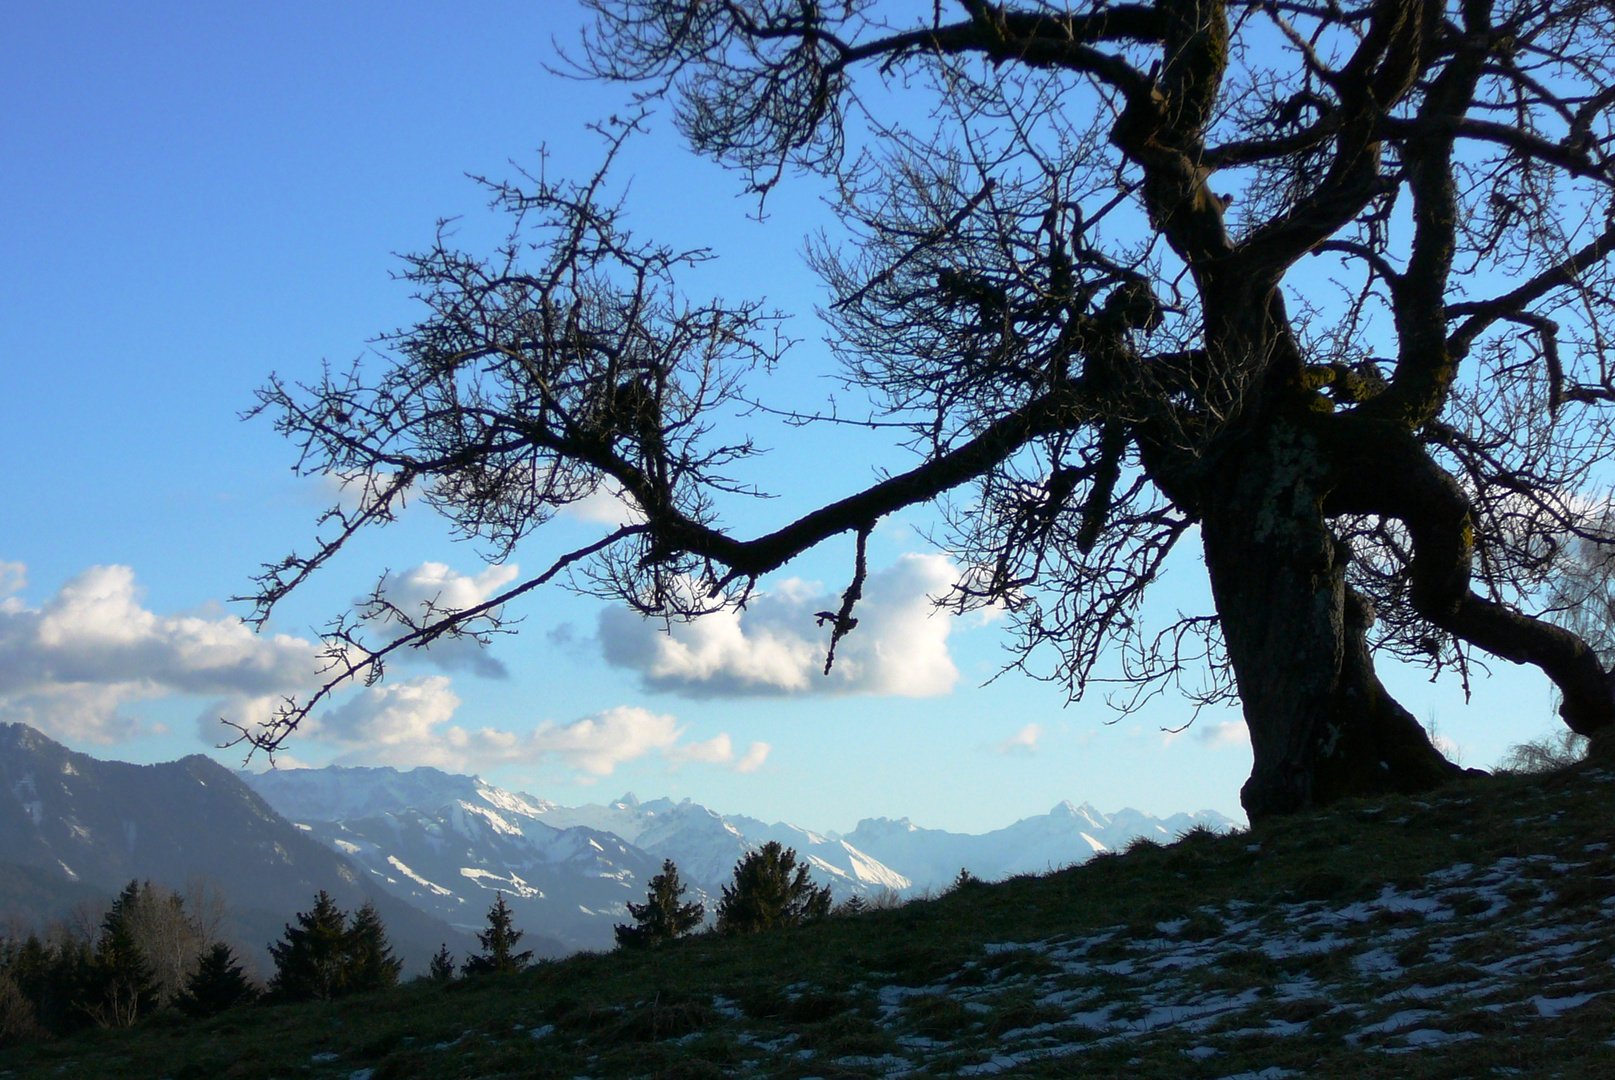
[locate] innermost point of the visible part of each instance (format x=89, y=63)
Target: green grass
x=1464, y=934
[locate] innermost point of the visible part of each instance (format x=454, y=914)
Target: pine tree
x=52, y=974
x=441, y=968
x=497, y=943
x=369, y=963
x=770, y=891
x=662, y=917
x=217, y=984
x=310, y=963
x=852, y=905
x=118, y=986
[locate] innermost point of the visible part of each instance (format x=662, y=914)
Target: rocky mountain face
x=72, y=826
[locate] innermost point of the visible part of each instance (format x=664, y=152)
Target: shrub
x=18, y=1022
x=1545, y=755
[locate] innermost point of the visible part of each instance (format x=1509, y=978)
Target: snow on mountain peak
x=426, y=832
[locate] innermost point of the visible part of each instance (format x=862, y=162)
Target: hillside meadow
x=1464, y=934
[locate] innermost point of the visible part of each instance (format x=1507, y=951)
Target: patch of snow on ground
x=1551, y=1007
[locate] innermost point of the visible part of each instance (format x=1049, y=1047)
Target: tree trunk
x=1322, y=726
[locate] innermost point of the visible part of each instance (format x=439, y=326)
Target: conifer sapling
x=662, y=917
x=498, y=943
x=217, y=984
x=441, y=967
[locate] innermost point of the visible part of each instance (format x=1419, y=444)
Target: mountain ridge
x=446, y=842
x=433, y=847
x=77, y=821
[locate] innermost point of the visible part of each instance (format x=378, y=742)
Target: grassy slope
x=1468, y=934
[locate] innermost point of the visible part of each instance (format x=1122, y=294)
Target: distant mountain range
x=432, y=848
x=1065, y=835
x=446, y=843
x=76, y=828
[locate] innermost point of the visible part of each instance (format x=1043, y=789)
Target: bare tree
x=208, y=908
x=1322, y=286
x=82, y=923
x=168, y=936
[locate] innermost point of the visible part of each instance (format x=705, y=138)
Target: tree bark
x=1322, y=726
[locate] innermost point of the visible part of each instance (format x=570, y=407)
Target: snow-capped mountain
x=1065, y=835
x=706, y=845
x=339, y=794
x=570, y=884
x=447, y=843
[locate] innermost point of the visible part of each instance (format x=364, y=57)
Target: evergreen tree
x=852, y=905
x=498, y=943
x=52, y=975
x=770, y=891
x=217, y=984
x=441, y=968
x=311, y=961
x=662, y=917
x=369, y=961
x=118, y=986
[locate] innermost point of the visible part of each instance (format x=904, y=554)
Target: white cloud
x=715, y=751
x=721, y=751
x=1023, y=742
x=1449, y=749
x=598, y=744
x=435, y=588
x=280, y=763
x=408, y=723
x=605, y=505
x=1227, y=733
x=775, y=647
x=753, y=758
x=13, y=579
x=400, y=714
x=69, y=666
x=73, y=665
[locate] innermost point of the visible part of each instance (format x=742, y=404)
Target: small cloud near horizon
x=1022, y=743
x=409, y=723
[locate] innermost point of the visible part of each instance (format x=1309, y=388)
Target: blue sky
x=196, y=195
